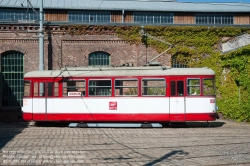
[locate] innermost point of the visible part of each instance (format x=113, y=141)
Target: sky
x=235, y=1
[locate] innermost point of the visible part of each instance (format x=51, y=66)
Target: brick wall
x=62, y=49
x=73, y=50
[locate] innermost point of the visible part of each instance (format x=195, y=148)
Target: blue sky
x=248, y=1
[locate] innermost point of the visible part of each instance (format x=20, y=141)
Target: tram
x=120, y=94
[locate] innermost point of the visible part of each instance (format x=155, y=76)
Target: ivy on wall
x=196, y=46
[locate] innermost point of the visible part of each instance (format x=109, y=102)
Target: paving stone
x=224, y=143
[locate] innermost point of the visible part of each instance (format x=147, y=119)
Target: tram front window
x=208, y=86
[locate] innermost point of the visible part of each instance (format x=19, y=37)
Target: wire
x=100, y=4
x=34, y=10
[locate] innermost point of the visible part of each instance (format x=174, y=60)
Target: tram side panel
x=53, y=108
x=27, y=109
x=200, y=109
x=124, y=109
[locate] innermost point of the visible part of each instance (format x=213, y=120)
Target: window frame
x=97, y=87
x=153, y=79
x=153, y=17
x=99, y=61
x=126, y=79
x=188, y=86
x=214, y=18
x=89, y=16
x=73, y=87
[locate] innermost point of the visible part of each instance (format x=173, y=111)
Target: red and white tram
x=125, y=94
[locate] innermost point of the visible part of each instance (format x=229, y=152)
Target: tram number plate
x=212, y=100
x=112, y=105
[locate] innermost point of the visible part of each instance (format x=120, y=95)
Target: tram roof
x=119, y=71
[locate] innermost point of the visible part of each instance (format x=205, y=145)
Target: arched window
x=12, y=79
x=99, y=59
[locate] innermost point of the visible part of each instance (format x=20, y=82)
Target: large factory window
x=89, y=16
x=158, y=18
x=12, y=77
x=202, y=18
x=18, y=15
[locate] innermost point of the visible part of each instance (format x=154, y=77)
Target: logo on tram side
x=212, y=100
x=112, y=105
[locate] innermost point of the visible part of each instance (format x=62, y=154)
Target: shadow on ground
x=195, y=125
x=174, y=154
x=9, y=130
x=51, y=124
x=166, y=125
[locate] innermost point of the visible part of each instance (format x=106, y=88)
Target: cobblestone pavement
x=224, y=143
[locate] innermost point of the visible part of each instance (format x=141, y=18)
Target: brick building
x=19, y=45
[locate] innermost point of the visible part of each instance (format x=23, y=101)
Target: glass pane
x=99, y=59
x=36, y=92
x=126, y=87
x=173, y=87
x=74, y=88
x=193, y=86
x=26, y=88
x=50, y=88
x=100, y=87
x=180, y=88
x=192, y=82
x=12, y=77
x=153, y=87
x=56, y=89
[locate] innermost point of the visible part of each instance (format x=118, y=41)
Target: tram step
x=114, y=125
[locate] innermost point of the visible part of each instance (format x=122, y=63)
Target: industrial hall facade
x=19, y=40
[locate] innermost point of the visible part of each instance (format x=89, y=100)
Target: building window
x=214, y=19
x=89, y=16
x=12, y=77
x=158, y=18
x=99, y=59
x=177, y=63
x=15, y=15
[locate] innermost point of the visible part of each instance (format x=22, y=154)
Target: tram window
x=74, y=88
x=36, y=92
x=38, y=89
x=173, y=88
x=126, y=87
x=26, y=89
x=208, y=87
x=56, y=89
x=100, y=88
x=153, y=87
x=180, y=88
x=49, y=89
x=193, y=86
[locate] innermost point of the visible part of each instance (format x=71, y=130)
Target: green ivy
x=199, y=46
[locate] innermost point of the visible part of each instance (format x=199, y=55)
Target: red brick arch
x=7, y=48
x=100, y=49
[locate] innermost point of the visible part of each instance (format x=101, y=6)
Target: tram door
x=39, y=102
x=177, y=100
x=44, y=102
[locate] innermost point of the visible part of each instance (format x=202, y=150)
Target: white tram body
x=125, y=94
